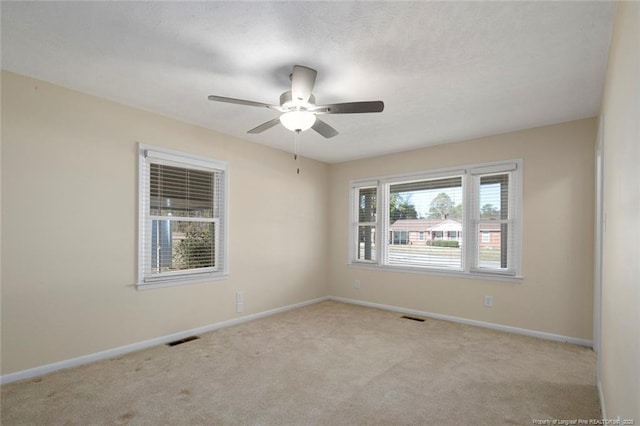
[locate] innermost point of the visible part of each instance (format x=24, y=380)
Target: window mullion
x=144, y=222
x=469, y=243
x=216, y=245
x=383, y=223
x=515, y=214
x=353, y=222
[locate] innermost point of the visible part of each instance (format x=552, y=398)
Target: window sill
x=438, y=272
x=180, y=281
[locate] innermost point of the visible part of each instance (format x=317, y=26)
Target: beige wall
x=69, y=223
x=620, y=336
x=69, y=164
x=555, y=295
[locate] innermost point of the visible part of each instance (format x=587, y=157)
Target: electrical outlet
x=488, y=301
x=356, y=284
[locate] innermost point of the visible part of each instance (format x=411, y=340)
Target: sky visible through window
x=422, y=199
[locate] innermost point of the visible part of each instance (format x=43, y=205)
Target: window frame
x=147, y=155
x=471, y=175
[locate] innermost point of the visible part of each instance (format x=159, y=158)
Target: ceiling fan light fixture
x=298, y=120
x=298, y=106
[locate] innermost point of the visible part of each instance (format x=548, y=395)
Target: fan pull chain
x=296, y=151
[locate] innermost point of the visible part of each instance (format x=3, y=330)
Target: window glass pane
x=425, y=223
x=366, y=249
x=179, y=245
x=494, y=246
x=367, y=200
x=494, y=196
x=177, y=191
x=494, y=206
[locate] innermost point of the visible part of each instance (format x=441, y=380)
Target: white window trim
x=170, y=279
x=468, y=270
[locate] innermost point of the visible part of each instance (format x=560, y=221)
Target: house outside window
x=441, y=216
x=182, y=218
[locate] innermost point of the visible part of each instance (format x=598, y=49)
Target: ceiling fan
x=299, y=109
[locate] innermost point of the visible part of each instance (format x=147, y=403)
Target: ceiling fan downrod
x=296, y=151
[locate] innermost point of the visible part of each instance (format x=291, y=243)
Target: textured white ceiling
x=447, y=71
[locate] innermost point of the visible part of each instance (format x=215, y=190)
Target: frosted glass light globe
x=298, y=120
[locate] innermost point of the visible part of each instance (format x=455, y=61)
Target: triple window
x=465, y=220
x=181, y=218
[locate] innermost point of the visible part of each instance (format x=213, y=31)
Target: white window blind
x=432, y=207
x=367, y=199
x=182, y=217
x=495, y=220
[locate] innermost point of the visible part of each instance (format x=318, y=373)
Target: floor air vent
x=181, y=341
x=413, y=318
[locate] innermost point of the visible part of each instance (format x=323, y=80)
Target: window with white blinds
x=462, y=221
x=495, y=218
x=366, y=224
x=433, y=207
x=182, y=218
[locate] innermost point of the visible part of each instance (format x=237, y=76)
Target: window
x=182, y=218
x=458, y=221
x=425, y=202
x=366, y=223
x=400, y=237
x=492, y=211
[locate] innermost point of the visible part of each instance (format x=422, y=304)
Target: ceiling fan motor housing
x=286, y=101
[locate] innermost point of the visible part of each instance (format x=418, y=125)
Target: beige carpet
x=325, y=364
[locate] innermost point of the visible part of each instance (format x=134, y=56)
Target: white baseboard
x=493, y=326
x=110, y=353
x=603, y=411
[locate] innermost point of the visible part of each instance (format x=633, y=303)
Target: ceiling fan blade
x=350, y=107
x=264, y=126
x=302, y=81
x=324, y=129
x=243, y=102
